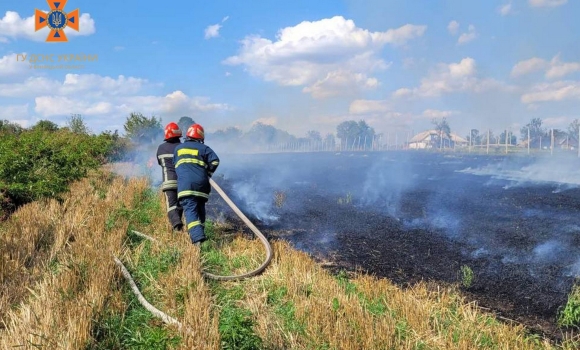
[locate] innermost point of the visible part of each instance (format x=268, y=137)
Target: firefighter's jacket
x=165, y=159
x=195, y=163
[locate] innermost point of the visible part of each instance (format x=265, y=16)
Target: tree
x=573, y=128
x=329, y=141
x=511, y=138
x=77, y=125
x=355, y=134
x=45, y=125
x=476, y=137
x=10, y=127
x=184, y=124
x=443, y=129
x=314, y=136
x=535, y=129
x=226, y=135
x=142, y=129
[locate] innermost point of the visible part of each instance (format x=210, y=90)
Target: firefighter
x=169, y=185
x=195, y=163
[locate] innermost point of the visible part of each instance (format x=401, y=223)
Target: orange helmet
x=172, y=130
x=195, y=132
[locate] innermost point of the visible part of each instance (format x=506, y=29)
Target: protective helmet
x=195, y=132
x=172, y=130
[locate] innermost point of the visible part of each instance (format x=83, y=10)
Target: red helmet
x=172, y=130
x=195, y=132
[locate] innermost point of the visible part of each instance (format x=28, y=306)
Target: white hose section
x=155, y=311
x=170, y=320
x=254, y=229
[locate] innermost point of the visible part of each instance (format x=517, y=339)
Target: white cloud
x=554, y=69
x=434, y=113
x=175, y=103
x=556, y=91
x=546, y=3
x=13, y=112
x=557, y=122
x=108, y=100
x=212, y=31
x=559, y=69
x=505, y=9
x=12, y=26
x=453, y=27
x=10, y=66
x=266, y=121
x=308, y=53
x=369, y=106
x=119, y=48
x=340, y=82
x=528, y=66
x=89, y=84
x=470, y=35
x=450, y=78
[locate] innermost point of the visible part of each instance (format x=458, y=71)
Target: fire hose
x=170, y=320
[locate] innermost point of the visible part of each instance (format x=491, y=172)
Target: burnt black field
x=411, y=216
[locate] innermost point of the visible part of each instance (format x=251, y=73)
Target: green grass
x=235, y=322
x=466, y=276
x=134, y=327
x=570, y=314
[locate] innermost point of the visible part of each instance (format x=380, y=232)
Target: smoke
x=141, y=161
x=561, y=171
x=386, y=181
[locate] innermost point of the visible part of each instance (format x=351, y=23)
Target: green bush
x=41, y=162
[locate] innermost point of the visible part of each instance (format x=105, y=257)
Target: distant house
x=429, y=138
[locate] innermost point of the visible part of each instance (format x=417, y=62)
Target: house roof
x=422, y=136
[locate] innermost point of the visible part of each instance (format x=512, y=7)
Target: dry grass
x=58, y=279
x=59, y=264
x=299, y=305
x=182, y=292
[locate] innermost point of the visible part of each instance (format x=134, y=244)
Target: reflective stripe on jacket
x=165, y=159
x=194, y=163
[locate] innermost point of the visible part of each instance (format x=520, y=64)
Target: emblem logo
x=56, y=20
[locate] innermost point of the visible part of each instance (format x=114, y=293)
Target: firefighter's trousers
x=174, y=209
x=194, y=210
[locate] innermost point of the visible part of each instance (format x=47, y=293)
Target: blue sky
x=301, y=65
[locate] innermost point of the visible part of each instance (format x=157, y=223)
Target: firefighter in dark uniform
x=169, y=185
x=195, y=163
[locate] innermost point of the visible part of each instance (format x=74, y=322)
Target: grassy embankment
x=61, y=289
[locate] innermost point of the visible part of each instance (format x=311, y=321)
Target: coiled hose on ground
x=170, y=320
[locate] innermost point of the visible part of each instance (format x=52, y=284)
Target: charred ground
x=416, y=216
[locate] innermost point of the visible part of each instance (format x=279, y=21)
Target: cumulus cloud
x=559, y=69
x=453, y=27
x=369, y=106
x=554, y=69
x=547, y=3
x=434, y=113
x=175, y=103
x=468, y=36
x=528, y=66
x=266, y=121
x=12, y=26
x=550, y=92
x=88, y=84
x=318, y=54
x=505, y=9
x=450, y=78
x=338, y=82
x=213, y=31
x=109, y=99
x=9, y=66
x=14, y=112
